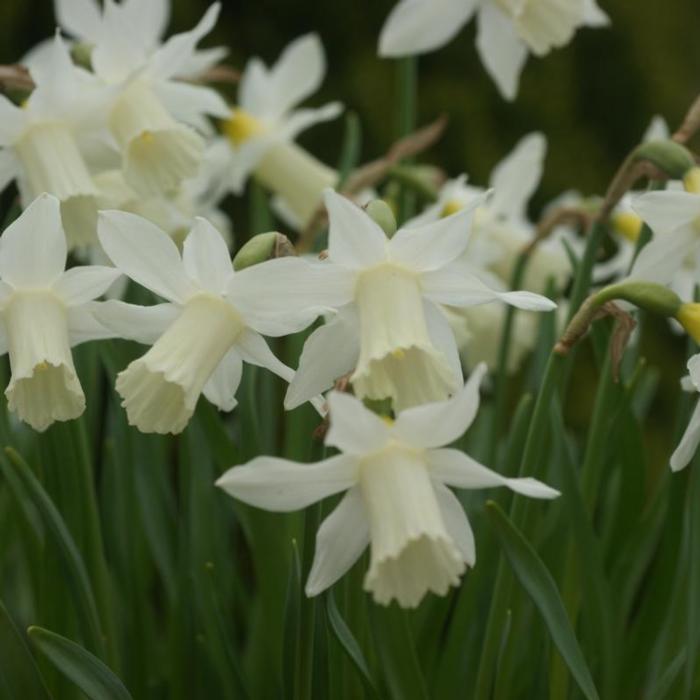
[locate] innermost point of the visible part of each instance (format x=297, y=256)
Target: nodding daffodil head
x=688, y=315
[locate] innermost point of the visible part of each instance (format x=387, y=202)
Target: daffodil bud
x=381, y=213
x=264, y=246
x=81, y=54
x=688, y=315
x=691, y=180
x=627, y=224
x=672, y=158
x=424, y=179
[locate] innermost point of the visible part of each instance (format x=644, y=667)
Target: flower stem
x=407, y=81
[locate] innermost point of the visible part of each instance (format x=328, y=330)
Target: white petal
x=117, y=52
x=354, y=240
x=354, y=428
x=663, y=257
x=187, y=102
x=81, y=284
x=694, y=370
x=202, y=60
x=148, y=20
x=667, y=210
x=297, y=74
x=143, y=324
x=83, y=324
x=454, y=287
x=206, y=257
x=593, y=15
x=457, y=469
x=33, y=247
x=443, y=337
x=434, y=245
x=443, y=422
x=330, y=352
x=502, y=52
x=81, y=18
x=516, y=177
x=457, y=523
x=173, y=56
x=418, y=26
x=145, y=253
x=281, y=485
x=223, y=384
x=254, y=350
x=12, y=121
x=285, y=295
x=689, y=442
x=657, y=130
x=255, y=88
x=302, y=119
x=340, y=541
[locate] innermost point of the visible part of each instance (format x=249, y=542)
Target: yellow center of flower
x=689, y=317
x=628, y=225
x=451, y=207
x=691, y=180
x=241, y=126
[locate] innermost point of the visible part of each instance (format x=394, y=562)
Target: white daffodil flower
x=389, y=332
x=396, y=476
x=40, y=140
x=501, y=229
x=207, y=328
x=261, y=129
x=691, y=438
x=152, y=116
x=507, y=30
x=672, y=257
x=147, y=21
x=45, y=310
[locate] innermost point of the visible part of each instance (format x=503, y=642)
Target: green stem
x=407, y=80
x=501, y=375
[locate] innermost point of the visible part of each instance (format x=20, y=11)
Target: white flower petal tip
x=527, y=486
x=160, y=390
x=528, y=301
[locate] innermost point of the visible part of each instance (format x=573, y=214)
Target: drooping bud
x=688, y=316
x=81, y=54
x=691, y=180
x=672, y=158
x=264, y=246
x=627, y=224
x=381, y=213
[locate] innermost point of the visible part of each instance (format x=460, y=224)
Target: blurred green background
x=593, y=99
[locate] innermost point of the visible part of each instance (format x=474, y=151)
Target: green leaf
x=397, y=653
x=350, y=151
x=350, y=645
x=540, y=586
x=92, y=676
x=27, y=486
x=19, y=674
x=292, y=627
